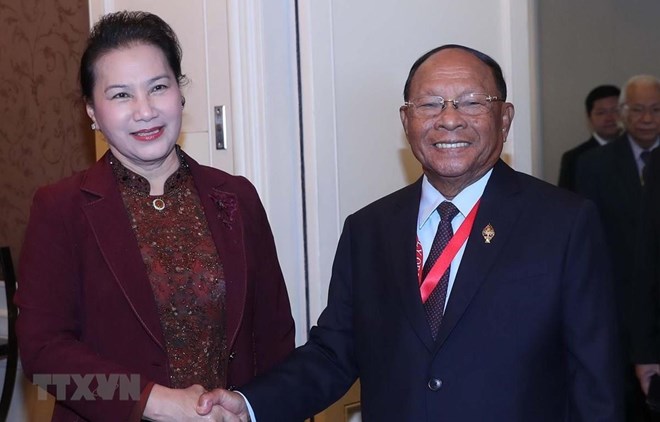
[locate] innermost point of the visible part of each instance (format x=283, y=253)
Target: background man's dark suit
x=609, y=176
x=568, y=166
x=645, y=327
x=513, y=339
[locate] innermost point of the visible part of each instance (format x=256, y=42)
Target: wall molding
x=317, y=65
x=248, y=94
x=520, y=52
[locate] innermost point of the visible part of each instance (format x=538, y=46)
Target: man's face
x=604, y=118
x=455, y=150
x=641, y=113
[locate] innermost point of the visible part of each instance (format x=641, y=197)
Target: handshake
x=228, y=405
x=195, y=404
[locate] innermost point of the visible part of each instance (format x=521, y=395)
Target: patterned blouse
x=185, y=273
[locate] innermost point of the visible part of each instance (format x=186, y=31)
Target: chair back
x=9, y=349
x=8, y=275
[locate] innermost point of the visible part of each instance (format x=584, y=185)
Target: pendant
x=158, y=204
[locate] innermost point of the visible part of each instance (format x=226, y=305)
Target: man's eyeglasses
x=638, y=111
x=470, y=104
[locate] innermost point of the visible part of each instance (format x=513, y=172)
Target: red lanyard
x=448, y=254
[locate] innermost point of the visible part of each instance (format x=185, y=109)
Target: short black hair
x=125, y=29
x=598, y=93
x=486, y=59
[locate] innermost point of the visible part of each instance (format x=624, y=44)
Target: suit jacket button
x=434, y=384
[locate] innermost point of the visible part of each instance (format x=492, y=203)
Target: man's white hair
x=637, y=80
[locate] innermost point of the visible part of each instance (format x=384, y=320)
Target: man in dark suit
x=645, y=334
x=612, y=177
x=644, y=330
x=519, y=326
x=602, y=105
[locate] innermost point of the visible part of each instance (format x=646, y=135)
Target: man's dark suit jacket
x=86, y=303
x=568, y=166
x=645, y=327
x=608, y=175
x=528, y=333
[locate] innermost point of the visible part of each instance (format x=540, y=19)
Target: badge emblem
x=488, y=233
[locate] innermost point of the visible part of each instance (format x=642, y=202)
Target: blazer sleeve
x=321, y=371
x=274, y=328
x=49, y=321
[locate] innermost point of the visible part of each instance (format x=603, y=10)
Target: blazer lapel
x=223, y=214
x=500, y=208
x=399, y=226
x=108, y=219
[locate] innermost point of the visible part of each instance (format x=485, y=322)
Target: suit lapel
x=108, y=219
x=400, y=227
x=500, y=208
x=625, y=171
x=591, y=143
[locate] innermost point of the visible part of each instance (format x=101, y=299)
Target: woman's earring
x=183, y=101
x=94, y=127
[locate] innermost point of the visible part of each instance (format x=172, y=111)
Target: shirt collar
x=637, y=149
x=130, y=180
x=464, y=201
x=599, y=139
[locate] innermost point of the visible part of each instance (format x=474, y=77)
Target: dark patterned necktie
x=435, y=304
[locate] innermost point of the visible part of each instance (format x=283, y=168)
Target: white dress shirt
x=428, y=218
x=637, y=151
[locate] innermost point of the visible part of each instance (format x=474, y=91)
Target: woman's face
x=136, y=103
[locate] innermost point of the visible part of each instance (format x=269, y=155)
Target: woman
x=147, y=268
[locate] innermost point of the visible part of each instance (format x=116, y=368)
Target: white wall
x=281, y=185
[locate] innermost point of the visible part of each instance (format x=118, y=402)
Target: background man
x=602, y=105
x=644, y=329
x=518, y=328
x=612, y=176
